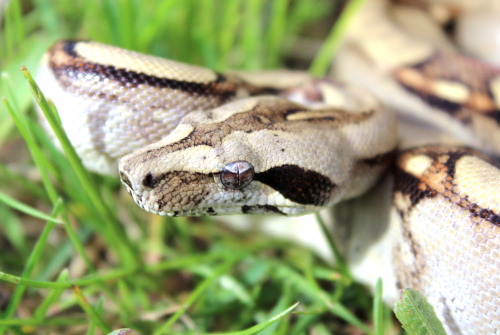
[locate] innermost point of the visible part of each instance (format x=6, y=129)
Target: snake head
x=252, y=156
x=263, y=155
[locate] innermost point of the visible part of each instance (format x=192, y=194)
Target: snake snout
x=125, y=179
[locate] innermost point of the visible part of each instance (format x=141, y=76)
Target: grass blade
x=50, y=299
x=252, y=32
x=261, y=326
x=40, y=162
x=200, y=289
x=117, y=238
x=416, y=315
x=378, y=309
x=339, y=259
x=322, y=61
x=90, y=311
x=11, y=202
x=14, y=27
x=275, y=32
x=35, y=255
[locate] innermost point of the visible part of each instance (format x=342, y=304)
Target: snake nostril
x=149, y=181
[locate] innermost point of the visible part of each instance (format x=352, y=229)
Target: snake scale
x=191, y=141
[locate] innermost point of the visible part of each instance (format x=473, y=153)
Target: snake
x=421, y=213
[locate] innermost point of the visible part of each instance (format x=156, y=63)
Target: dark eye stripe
x=300, y=185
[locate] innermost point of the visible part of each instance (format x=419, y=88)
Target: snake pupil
x=237, y=175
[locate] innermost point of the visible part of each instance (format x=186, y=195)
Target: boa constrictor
x=195, y=142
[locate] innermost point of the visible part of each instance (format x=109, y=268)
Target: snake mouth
x=230, y=209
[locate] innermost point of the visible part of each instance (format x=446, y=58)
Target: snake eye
x=237, y=175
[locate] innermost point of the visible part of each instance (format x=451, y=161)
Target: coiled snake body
x=195, y=142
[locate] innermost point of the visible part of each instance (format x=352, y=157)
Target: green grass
x=78, y=257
